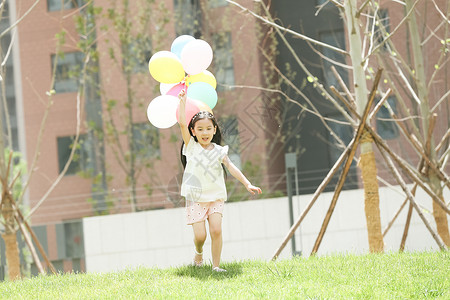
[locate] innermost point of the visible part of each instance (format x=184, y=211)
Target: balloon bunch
x=189, y=56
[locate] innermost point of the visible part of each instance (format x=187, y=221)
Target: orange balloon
x=204, y=107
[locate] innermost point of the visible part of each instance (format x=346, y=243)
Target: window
x=223, y=60
x=217, y=3
x=74, y=243
x=55, y=5
x=138, y=54
x=386, y=127
x=80, y=161
x=188, y=17
x=337, y=39
x=230, y=135
x=69, y=240
x=146, y=141
x=67, y=71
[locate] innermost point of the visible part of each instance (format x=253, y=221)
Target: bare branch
x=379, y=104
x=438, y=67
x=387, y=36
x=344, y=86
x=19, y=19
x=37, y=152
x=75, y=142
x=5, y=59
x=440, y=101
x=271, y=23
x=358, y=13
x=443, y=140
x=300, y=63
x=398, y=94
x=291, y=84
x=304, y=108
x=444, y=17
x=444, y=157
x=433, y=33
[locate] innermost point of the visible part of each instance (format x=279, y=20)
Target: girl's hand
x=182, y=96
x=253, y=189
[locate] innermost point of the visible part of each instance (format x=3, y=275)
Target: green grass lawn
x=374, y=276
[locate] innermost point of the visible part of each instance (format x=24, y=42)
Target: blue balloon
x=179, y=43
x=203, y=92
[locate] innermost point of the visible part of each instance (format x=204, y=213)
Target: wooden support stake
x=348, y=163
x=316, y=195
x=413, y=191
x=400, y=181
x=388, y=227
x=405, y=231
x=30, y=246
x=407, y=170
x=430, y=134
x=443, y=140
x=400, y=162
x=442, y=176
x=36, y=241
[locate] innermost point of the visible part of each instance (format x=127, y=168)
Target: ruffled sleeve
x=187, y=150
x=223, y=152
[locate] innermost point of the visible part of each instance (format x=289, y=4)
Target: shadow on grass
x=205, y=272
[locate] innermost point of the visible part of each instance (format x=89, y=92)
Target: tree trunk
x=371, y=196
x=12, y=250
x=421, y=83
x=439, y=214
x=12, y=256
x=367, y=159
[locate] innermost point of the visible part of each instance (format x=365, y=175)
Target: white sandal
x=198, y=263
x=219, y=270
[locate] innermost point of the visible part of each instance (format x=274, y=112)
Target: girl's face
x=204, y=130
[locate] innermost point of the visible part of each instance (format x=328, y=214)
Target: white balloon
x=165, y=87
x=161, y=111
x=196, y=56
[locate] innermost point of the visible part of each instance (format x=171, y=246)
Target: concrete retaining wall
x=251, y=230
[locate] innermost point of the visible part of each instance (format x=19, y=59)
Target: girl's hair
x=217, y=138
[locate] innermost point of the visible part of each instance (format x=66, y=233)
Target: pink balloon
x=176, y=89
x=192, y=107
x=196, y=56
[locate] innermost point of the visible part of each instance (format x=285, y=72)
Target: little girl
x=203, y=183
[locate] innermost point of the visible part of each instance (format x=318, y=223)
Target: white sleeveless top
x=203, y=178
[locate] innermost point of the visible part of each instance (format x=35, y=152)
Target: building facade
x=102, y=103
x=123, y=163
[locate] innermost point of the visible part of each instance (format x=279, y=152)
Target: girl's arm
x=239, y=176
x=182, y=118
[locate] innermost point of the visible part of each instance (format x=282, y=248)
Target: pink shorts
x=200, y=211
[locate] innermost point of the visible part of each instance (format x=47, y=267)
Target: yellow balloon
x=204, y=76
x=166, y=67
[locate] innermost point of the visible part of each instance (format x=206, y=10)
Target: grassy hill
x=424, y=275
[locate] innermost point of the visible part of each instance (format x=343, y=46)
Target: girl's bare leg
x=199, y=238
x=215, y=229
